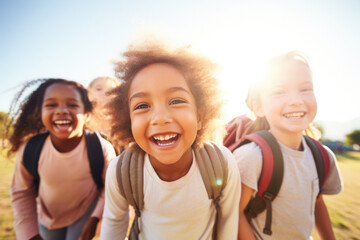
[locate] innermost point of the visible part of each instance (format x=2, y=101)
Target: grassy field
x=344, y=208
x=6, y=213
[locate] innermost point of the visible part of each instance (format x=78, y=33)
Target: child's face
x=288, y=102
x=62, y=111
x=163, y=113
x=100, y=88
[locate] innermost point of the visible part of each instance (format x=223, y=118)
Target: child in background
x=67, y=203
x=284, y=103
x=169, y=105
x=98, y=93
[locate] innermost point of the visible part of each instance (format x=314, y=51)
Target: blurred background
x=78, y=40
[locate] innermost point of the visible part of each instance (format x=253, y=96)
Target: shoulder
x=248, y=152
x=107, y=147
x=111, y=169
x=331, y=154
x=333, y=183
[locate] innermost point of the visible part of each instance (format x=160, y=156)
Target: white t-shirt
x=179, y=209
x=293, y=208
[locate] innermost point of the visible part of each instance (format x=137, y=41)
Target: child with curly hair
x=65, y=201
x=168, y=106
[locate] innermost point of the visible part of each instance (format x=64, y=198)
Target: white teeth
x=294, y=115
x=59, y=122
x=165, y=144
x=164, y=137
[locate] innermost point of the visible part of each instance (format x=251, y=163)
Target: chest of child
x=64, y=175
x=293, y=209
x=176, y=210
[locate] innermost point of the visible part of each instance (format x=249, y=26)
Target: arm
x=116, y=217
x=245, y=231
x=322, y=220
x=229, y=202
x=23, y=195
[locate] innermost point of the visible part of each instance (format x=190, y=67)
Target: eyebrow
x=51, y=99
x=170, y=90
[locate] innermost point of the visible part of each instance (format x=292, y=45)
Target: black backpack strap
x=31, y=155
x=321, y=158
x=270, y=178
x=96, y=157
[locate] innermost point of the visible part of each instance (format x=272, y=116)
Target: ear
x=87, y=117
x=258, y=109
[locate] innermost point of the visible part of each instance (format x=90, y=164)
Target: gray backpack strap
x=129, y=174
x=214, y=172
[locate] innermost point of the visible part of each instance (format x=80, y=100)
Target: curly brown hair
x=199, y=74
x=25, y=116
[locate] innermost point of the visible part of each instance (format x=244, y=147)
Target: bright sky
x=76, y=40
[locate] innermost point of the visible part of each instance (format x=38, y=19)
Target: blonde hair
x=255, y=90
x=98, y=121
x=116, y=82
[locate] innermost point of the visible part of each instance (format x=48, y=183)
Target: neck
x=172, y=172
x=65, y=145
x=291, y=140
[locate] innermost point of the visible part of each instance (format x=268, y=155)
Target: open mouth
x=295, y=115
x=62, y=124
x=165, y=139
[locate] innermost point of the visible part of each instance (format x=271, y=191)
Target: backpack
x=271, y=176
x=129, y=173
x=95, y=154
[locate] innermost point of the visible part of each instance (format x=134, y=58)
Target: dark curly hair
x=25, y=116
x=196, y=69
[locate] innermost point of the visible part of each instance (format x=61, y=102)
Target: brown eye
x=141, y=106
x=177, y=101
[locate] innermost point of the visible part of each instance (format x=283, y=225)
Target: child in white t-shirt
x=169, y=105
x=284, y=103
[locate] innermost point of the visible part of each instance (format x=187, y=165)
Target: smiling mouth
x=62, y=124
x=294, y=115
x=165, y=139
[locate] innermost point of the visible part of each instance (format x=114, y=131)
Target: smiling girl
x=284, y=103
x=67, y=203
x=169, y=105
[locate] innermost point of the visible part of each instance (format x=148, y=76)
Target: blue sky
x=78, y=39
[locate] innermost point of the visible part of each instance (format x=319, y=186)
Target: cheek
x=137, y=128
x=313, y=103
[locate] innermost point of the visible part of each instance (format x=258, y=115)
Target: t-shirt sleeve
x=249, y=162
x=115, y=218
x=109, y=154
x=333, y=183
x=229, y=202
x=23, y=195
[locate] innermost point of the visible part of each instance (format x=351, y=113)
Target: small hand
x=36, y=237
x=89, y=229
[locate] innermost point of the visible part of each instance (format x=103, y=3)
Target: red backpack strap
x=270, y=178
x=321, y=158
x=235, y=129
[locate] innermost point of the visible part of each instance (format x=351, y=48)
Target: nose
x=160, y=116
x=61, y=109
x=295, y=99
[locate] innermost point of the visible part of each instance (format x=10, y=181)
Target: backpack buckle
x=268, y=196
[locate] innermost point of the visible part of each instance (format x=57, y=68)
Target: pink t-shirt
x=66, y=189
